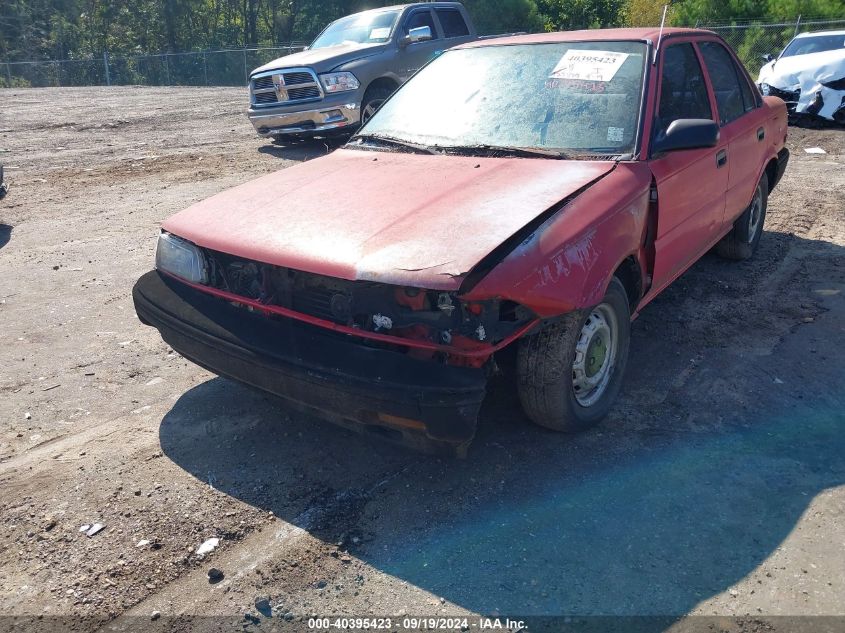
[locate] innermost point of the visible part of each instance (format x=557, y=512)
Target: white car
x=809, y=75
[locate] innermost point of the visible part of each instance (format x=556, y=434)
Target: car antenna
x=660, y=35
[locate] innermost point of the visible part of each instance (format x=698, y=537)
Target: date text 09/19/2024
x=416, y=623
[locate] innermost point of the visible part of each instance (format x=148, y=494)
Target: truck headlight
x=181, y=258
x=339, y=82
x=765, y=89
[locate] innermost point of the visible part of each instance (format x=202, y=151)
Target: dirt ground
x=715, y=488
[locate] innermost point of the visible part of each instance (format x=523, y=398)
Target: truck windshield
x=574, y=97
x=370, y=27
x=815, y=44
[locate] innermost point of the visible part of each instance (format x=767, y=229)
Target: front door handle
x=761, y=134
x=721, y=158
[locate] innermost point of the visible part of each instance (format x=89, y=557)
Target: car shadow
x=701, y=472
x=5, y=234
x=301, y=149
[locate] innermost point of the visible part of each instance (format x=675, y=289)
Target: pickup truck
x=530, y=193
x=348, y=71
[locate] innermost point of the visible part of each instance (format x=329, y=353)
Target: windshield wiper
x=389, y=141
x=503, y=150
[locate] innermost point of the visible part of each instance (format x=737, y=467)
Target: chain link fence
x=754, y=40
x=204, y=68
x=231, y=67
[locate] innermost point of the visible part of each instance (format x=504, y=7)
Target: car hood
x=323, y=59
x=410, y=219
x=819, y=76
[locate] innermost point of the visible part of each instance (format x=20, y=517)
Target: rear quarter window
x=452, y=22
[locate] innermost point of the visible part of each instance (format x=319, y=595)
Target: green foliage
x=505, y=16
x=84, y=29
x=562, y=15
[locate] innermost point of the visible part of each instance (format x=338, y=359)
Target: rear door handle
x=721, y=158
x=761, y=134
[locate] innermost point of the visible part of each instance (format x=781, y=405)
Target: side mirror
x=419, y=34
x=767, y=57
x=687, y=134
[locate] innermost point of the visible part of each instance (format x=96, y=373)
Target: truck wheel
x=742, y=241
x=373, y=98
x=570, y=373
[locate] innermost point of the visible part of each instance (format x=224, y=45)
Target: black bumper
x=335, y=375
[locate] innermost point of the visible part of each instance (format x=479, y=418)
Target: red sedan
x=534, y=191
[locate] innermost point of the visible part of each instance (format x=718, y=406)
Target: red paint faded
x=644, y=34
x=400, y=218
x=568, y=262
x=428, y=220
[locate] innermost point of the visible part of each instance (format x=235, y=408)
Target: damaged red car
x=531, y=193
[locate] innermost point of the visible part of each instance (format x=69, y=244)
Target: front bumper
x=332, y=113
x=421, y=403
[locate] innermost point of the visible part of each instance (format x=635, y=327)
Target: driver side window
x=683, y=93
x=418, y=19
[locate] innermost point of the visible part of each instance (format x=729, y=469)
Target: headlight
x=181, y=258
x=764, y=88
x=339, y=82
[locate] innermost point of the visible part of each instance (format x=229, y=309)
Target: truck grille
x=285, y=86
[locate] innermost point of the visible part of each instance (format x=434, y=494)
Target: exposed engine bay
x=402, y=312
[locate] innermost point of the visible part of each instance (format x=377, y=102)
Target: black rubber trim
x=305, y=364
x=783, y=161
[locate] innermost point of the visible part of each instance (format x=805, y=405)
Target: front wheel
x=570, y=373
x=373, y=98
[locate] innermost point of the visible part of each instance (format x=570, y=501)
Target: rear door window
x=418, y=19
x=452, y=22
x=733, y=95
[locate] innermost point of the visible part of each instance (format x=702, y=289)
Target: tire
x=373, y=98
x=741, y=243
x=553, y=366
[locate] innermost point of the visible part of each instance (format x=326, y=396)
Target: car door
x=416, y=54
x=691, y=184
x=742, y=123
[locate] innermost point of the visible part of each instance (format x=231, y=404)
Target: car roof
x=414, y=4
x=641, y=34
x=814, y=33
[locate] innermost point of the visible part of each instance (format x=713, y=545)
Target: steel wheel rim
x=370, y=109
x=595, y=355
x=754, y=215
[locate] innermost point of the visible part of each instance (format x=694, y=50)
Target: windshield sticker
x=615, y=134
x=380, y=33
x=578, y=86
x=588, y=65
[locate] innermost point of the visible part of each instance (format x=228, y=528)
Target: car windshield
x=815, y=44
x=370, y=27
x=581, y=97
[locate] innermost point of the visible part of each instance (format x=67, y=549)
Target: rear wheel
x=742, y=241
x=571, y=372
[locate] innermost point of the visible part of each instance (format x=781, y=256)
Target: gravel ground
x=716, y=487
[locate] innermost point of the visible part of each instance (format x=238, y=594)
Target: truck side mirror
x=419, y=34
x=687, y=134
x=768, y=57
